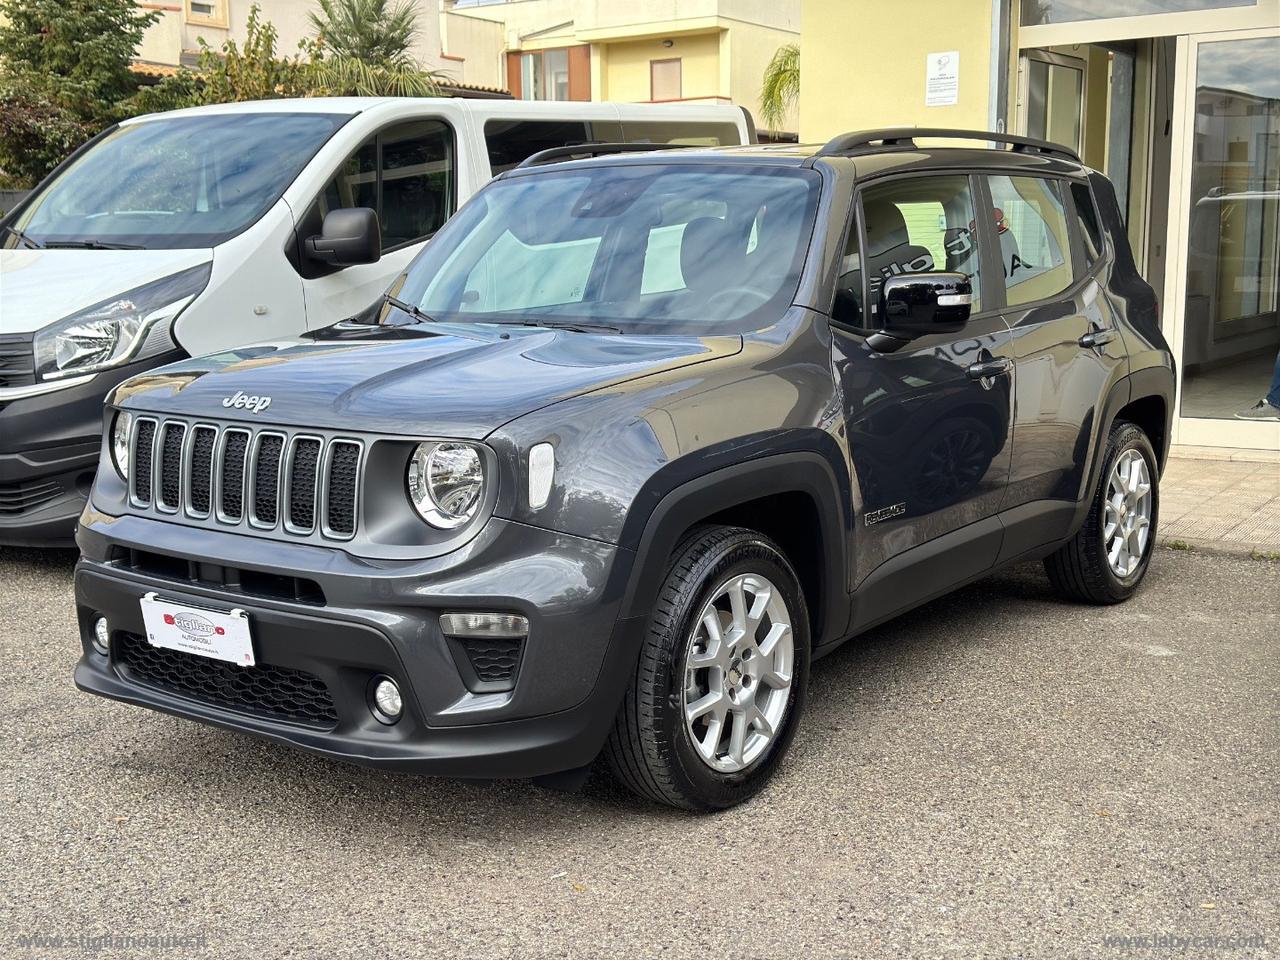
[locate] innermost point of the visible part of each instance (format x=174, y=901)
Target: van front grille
x=267, y=478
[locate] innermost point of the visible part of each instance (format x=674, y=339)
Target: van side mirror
x=347, y=236
x=917, y=304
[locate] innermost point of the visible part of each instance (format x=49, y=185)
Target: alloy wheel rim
x=1126, y=524
x=739, y=664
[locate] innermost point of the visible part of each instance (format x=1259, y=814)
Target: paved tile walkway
x=1209, y=499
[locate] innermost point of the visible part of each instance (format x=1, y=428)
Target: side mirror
x=916, y=304
x=347, y=236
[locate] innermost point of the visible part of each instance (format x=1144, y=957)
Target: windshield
x=652, y=248
x=191, y=181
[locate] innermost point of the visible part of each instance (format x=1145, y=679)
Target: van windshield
x=191, y=181
x=662, y=248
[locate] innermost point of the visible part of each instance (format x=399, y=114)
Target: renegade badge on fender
x=634, y=440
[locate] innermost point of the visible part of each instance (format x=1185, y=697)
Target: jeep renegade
x=638, y=437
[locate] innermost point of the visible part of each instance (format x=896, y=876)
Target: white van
x=184, y=233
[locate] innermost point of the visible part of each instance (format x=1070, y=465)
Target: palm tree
x=375, y=32
x=781, y=86
x=362, y=50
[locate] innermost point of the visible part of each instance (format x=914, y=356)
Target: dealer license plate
x=205, y=633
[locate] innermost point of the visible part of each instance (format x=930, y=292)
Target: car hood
x=39, y=287
x=452, y=381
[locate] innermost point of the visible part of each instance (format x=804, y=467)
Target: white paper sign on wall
x=942, y=79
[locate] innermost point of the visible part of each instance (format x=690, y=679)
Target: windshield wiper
x=22, y=237
x=573, y=325
x=409, y=308
x=89, y=245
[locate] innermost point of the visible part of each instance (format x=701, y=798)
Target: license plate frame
x=220, y=635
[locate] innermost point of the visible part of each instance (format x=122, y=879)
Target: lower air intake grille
x=494, y=661
x=279, y=693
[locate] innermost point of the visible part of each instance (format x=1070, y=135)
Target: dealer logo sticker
x=192, y=625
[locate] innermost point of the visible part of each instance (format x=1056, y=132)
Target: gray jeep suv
x=634, y=440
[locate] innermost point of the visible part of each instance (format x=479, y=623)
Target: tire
x=1080, y=569
x=652, y=748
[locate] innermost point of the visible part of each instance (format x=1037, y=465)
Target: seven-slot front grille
x=271, y=480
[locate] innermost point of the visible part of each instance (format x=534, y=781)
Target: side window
x=1087, y=221
x=694, y=134
x=1035, y=248
x=847, y=308
x=511, y=141
x=406, y=174
x=916, y=225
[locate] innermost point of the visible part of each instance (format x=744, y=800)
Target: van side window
x=681, y=131
x=511, y=141
x=406, y=174
x=1087, y=219
x=1034, y=245
x=917, y=225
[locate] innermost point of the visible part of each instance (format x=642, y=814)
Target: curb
x=1261, y=552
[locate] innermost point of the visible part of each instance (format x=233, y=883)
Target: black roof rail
x=554, y=154
x=903, y=138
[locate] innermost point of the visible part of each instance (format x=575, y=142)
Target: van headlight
x=120, y=443
x=131, y=326
x=446, y=482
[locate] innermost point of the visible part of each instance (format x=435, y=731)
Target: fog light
x=386, y=697
x=491, y=626
x=102, y=636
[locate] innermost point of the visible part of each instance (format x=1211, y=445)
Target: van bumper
x=49, y=446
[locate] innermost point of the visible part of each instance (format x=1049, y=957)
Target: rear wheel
x=721, y=679
x=1108, y=557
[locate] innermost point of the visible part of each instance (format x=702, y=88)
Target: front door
x=406, y=173
x=929, y=425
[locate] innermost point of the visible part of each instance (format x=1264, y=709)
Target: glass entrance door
x=1229, y=329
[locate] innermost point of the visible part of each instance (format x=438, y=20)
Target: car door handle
x=1096, y=338
x=989, y=368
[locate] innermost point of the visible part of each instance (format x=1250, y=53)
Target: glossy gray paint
x=651, y=436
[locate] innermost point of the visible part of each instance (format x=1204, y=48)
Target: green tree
x=376, y=32
x=76, y=52
x=781, y=86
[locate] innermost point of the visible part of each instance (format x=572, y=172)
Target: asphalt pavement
x=995, y=775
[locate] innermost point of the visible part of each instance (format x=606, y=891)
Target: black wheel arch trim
x=652, y=533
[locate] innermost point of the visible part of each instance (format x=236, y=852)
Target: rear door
x=929, y=425
x=1066, y=346
x=407, y=172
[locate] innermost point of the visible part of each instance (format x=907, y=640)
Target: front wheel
x=1109, y=555
x=722, y=675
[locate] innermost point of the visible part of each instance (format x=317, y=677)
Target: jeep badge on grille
x=252, y=404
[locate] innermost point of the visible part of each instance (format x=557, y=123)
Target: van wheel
x=1109, y=555
x=722, y=675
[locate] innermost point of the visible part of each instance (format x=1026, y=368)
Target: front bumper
x=384, y=619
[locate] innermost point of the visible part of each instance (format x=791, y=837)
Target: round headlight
x=446, y=483
x=120, y=443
